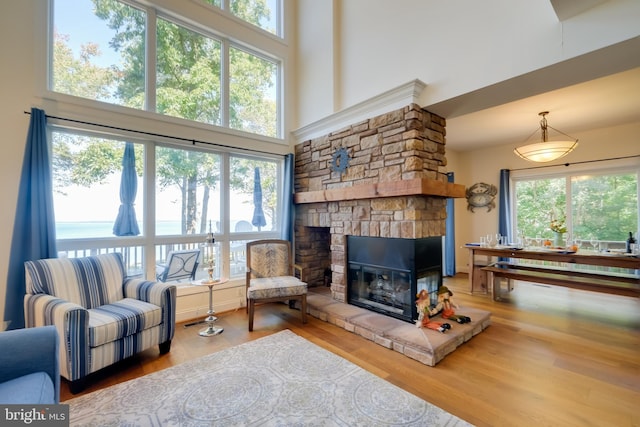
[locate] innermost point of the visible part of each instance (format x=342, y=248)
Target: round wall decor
x=340, y=160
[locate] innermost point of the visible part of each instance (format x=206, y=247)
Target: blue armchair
x=101, y=315
x=29, y=370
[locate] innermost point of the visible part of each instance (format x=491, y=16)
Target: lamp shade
x=541, y=152
x=545, y=150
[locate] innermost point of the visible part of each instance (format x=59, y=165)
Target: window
x=188, y=74
x=92, y=58
x=100, y=53
x=187, y=191
x=261, y=13
x=253, y=195
x=252, y=92
x=96, y=177
x=87, y=181
x=600, y=206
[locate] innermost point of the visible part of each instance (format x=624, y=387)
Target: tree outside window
x=600, y=208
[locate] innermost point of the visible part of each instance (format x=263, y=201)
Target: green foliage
x=601, y=206
x=605, y=206
x=78, y=76
x=537, y=202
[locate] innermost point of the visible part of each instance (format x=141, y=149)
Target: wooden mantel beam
x=411, y=187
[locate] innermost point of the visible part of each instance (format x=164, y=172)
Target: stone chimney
x=393, y=187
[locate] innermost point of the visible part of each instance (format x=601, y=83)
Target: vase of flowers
x=558, y=227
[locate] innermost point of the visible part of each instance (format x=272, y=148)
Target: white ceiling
x=597, y=90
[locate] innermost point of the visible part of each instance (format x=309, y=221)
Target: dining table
x=605, y=262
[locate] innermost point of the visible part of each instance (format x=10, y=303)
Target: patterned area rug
x=278, y=380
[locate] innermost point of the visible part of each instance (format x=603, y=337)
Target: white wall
x=17, y=80
x=454, y=47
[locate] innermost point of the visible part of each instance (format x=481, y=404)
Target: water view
x=97, y=229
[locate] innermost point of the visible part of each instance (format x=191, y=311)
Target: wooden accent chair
x=270, y=276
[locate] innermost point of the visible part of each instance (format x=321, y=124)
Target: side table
x=210, y=319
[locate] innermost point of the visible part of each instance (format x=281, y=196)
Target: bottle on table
x=630, y=241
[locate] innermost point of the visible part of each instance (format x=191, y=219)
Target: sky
x=77, y=18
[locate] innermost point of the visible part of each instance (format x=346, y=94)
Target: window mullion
x=224, y=83
x=150, y=209
x=150, y=59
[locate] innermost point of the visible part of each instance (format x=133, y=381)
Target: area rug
x=278, y=380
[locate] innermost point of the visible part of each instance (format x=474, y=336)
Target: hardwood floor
x=552, y=357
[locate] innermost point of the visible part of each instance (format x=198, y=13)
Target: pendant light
x=546, y=151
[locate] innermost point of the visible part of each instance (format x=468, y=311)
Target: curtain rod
x=576, y=163
x=192, y=141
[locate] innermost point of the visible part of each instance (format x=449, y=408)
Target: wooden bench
x=613, y=283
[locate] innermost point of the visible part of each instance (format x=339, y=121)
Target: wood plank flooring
x=552, y=357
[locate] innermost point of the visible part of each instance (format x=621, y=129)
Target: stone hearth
x=424, y=345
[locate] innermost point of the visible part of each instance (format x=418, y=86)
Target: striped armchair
x=101, y=316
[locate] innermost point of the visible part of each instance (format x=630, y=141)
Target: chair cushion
x=35, y=388
x=275, y=287
x=129, y=316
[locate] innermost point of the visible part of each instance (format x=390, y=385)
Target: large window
x=597, y=207
x=144, y=194
x=101, y=205
x=100, y=52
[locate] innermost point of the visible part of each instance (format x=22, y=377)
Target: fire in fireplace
x=385, y=274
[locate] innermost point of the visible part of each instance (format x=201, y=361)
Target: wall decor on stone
x=481, y=195
x=340, y=160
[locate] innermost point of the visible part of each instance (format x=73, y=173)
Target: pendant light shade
x=547, y=151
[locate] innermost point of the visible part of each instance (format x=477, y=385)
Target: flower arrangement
x=558, y=225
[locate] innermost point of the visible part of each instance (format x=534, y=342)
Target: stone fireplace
x=392, y=188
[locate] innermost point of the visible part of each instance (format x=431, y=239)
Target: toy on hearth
x=422, y=303
x=447, y=306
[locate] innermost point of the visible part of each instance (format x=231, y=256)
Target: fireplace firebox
x=385, y=274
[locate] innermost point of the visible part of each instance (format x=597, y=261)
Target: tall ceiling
x=597, y=90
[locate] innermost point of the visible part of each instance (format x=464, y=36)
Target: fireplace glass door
x=388, y=291
x=381, y=289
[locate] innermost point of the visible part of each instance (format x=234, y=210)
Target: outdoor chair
x=101, y=315
x=270, y=276
x=180, y=265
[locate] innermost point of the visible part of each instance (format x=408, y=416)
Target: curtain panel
x=34, y=225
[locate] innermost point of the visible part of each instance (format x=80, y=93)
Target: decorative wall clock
x=481, y=195
x=340, y=160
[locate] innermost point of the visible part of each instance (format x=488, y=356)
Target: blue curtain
x=287, y=202
x=504, y=206
x=450, y=236
x=34, y=233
